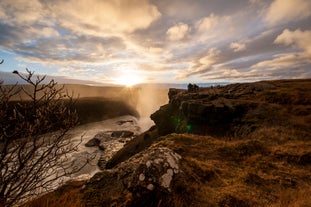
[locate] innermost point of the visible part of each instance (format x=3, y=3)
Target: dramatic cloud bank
x=158, y=41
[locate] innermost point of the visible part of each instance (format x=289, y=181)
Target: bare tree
x=34, y=142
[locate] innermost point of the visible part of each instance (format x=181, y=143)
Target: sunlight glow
x=129, y=80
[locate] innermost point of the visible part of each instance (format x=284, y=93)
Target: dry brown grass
x=259, y=171
x=294, y=198
x=68, y=195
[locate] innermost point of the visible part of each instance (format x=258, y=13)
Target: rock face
x=136, y=145
x=215, y=110
x=146, y=177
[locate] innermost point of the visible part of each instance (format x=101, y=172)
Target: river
x=88, y=131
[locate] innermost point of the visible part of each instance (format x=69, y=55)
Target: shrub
x=34, y=140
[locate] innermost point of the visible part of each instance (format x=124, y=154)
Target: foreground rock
x=147, y=178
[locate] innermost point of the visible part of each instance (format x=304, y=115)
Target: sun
x=128, y=80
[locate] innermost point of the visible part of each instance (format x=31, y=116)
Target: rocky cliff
x=236, y=145
x=234, y=110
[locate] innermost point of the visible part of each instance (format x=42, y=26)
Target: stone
x=122, y=134
x=147, y=183
x=93, y=142
x=125, y=121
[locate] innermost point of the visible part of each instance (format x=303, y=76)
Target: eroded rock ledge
x=232, y=110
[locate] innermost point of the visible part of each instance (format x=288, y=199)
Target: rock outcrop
x=136, y=145
x=146, y=179
x=218, y=111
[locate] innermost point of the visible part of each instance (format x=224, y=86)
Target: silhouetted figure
x=192, y=87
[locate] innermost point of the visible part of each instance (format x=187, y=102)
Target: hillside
x=236, y=145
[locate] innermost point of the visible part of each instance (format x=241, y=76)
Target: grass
x=294, y=198
x=68, y=195
x=249, y=172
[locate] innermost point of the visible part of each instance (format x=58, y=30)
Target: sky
x=158, y=41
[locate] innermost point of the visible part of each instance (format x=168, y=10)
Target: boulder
x=122, y=134
x=93, y=142
x=148, y=177
x=122, y=122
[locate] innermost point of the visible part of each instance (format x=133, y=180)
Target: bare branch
x=34, y=140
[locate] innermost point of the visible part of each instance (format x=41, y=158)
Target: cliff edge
x=236, y=110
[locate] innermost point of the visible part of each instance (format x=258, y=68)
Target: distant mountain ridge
x=10, y=79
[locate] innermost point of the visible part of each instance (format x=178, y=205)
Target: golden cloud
x=298, y=38
x=178, y=32
x=105, y=17
x=238, y=46
x=281, y=61
x=288, y=10
x=210, y=22
x=21, y=12
x=201, y=65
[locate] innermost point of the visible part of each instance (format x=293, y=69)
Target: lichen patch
x=167, y=178
x=141, y=177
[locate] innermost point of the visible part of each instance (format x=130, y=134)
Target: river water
x=93, y=154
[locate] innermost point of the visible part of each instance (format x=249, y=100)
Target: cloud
x=161, y=39
x=104, y=17
x=293, y=60
x=202, y=64
x=286, y=60
x=298, y=38
x=152, y=67
x=223, y=73
x=282, y=11
x=76, y=35
x=155, y=50
x=212, y=27
x=208, y=23
x=178, y=32
x=238, y=46
x=21, y=12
